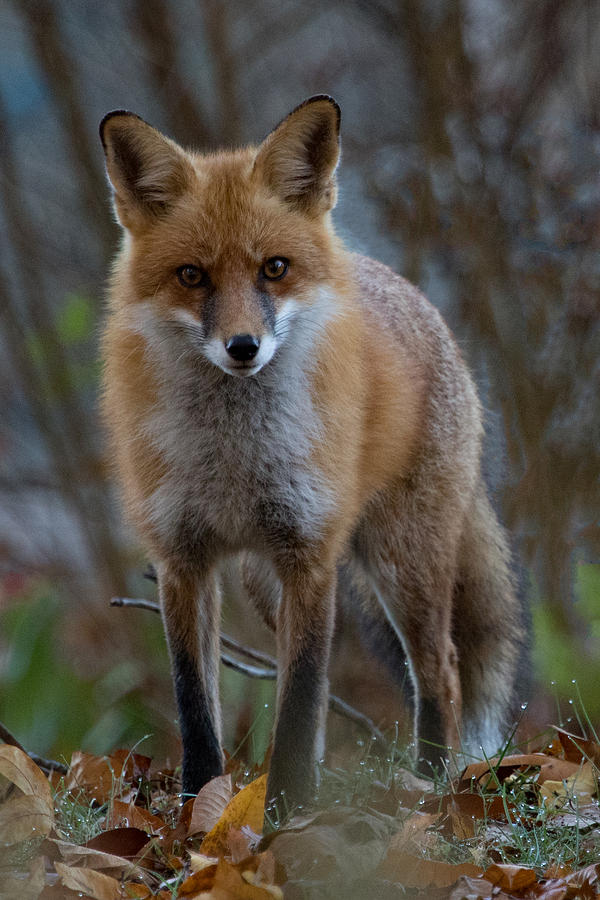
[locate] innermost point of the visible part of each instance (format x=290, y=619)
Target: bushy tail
x=490, y=631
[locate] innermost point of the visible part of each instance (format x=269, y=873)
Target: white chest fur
x=237, y=450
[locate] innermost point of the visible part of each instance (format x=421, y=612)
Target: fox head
x=231, y=247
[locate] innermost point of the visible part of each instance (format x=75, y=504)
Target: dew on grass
x=524, y=705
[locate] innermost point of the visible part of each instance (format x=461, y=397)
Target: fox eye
x=275, y=268
x=190, y=276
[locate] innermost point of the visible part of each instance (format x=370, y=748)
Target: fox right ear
x=297, y=161
x=147, y=170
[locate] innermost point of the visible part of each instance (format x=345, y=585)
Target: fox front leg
x=190, y=610
x=304, y=633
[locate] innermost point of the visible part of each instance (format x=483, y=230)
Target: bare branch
x=47, y=765
x=335, y=703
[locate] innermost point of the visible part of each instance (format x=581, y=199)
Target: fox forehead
x=225, y=216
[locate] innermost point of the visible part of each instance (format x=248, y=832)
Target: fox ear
x=297, y=161
x=146, y=169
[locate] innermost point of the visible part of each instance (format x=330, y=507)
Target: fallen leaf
x=230, y=884
x=413, y=833
x=341, y=845
x=468, y=888
x=209, y=805
x=558, y=770
x=579, y=786
x=480, y=770
x=577, y=748
x=93, y=858
x=104, y=777
x=126, y=842
x=513, y=878
x=199, y=862
x=25, y=886
x=245, y=808
x=583, y=817
x=198, y=883
x=23, y=772
x=131, y=816
x=92, y=884
x=413, y=871
x=240, y=842
x=24, y=817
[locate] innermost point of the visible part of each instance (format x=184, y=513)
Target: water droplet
x=571, y=701
x=266, y=705
x=360, y=743
x=553, y=683
x=573, y=681
x=524, y=705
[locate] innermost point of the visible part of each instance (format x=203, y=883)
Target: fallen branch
x=47, y=765
x=269, y=671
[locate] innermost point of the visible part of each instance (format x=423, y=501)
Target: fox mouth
x=242, y=370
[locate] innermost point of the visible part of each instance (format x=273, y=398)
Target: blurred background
x=471, y=150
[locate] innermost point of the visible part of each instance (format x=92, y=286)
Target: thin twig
x=270, y=671
x=47, y=765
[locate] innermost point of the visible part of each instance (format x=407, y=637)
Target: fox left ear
x=297, y=161
x=147, y=170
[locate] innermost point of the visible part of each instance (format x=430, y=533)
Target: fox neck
x=239, y=448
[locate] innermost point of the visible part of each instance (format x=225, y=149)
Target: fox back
x=271, y=394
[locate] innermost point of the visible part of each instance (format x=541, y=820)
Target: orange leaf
x=230, y=884
x=246, y=808
x=513, y=878
x=130, y=815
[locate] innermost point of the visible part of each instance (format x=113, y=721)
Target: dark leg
x=191, y=617
x=304, y=632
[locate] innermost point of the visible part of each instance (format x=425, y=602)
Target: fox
x=272, y=396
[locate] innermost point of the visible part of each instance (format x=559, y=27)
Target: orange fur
x=319, y=420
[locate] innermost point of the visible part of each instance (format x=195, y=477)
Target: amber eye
x=275, y=268
x=190, y=276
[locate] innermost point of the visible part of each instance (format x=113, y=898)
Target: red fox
x=271, y=395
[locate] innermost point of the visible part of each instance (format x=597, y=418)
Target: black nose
x=242, y=347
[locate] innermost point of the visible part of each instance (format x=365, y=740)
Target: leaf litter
x=525, y=826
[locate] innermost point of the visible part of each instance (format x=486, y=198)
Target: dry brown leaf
x=417, y=872
x=340, y=845
x=103, y=777
x=230, y=884
x=580, y=786
x=413, y=834
x=24, y=817
x=92, y=884
x=558, y=770
x=26, y=885
x=129, y=815
x=240, y=842
x=583, y=817
x=576, y=748
x=198, y=883
x=468, y=888
x=23, y=772
x=246, y=808
x=210, y=804
x=75, y=855
x=481, y=770
x=511, y=878
x=199, y=862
